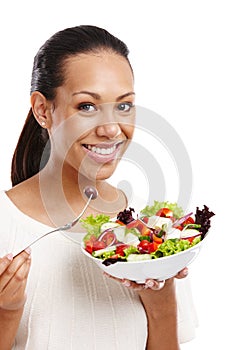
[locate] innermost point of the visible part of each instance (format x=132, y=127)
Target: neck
x=64, y=189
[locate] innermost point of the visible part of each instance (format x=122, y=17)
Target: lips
x=104, y=152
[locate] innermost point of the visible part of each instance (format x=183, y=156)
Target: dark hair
x=47, y=75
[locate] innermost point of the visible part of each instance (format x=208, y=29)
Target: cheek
x=127, y=124
x=128, y=130
x=67, y=132
x=75, y=156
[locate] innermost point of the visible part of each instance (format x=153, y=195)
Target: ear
x=41, y=108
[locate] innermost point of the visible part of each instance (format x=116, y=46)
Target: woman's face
x=92, y=119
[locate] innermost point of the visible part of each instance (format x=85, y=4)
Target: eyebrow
x=98, y=97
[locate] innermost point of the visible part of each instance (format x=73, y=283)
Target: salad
x=159, y=230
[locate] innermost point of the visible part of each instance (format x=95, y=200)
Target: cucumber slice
x=139, y=257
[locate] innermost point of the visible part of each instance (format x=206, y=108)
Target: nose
x=109, y=130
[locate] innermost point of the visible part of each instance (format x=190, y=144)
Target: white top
x=70, y=303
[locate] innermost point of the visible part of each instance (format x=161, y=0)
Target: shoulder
x=18, y=191
x=23, y=194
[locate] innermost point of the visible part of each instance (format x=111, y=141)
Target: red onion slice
x=181, y=220
x=103, y=237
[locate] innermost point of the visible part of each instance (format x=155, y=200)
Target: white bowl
x=159, y=269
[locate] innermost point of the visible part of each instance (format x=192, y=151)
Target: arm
x=159, y=301
x=9, y=321
x=13, y=278
x=161, y=311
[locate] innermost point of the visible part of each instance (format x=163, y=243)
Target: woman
x=80, y=123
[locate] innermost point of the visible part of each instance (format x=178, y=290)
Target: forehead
x=96, y=69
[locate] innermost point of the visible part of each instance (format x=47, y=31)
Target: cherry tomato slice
x=152, y=247
x=120, y=249
x=145, y=219
x=143, y=246
x=188, y=221
x=165, y=213
x=98, y=245
x=146, y=247
x=89, y=247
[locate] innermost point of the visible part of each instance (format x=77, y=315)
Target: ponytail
x=27, y=159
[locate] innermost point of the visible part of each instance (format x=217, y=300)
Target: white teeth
x=103, y=151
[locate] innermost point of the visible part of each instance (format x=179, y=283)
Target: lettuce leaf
x=93, y=224
x=152, y=210
x=174, y=246
x=202, y=217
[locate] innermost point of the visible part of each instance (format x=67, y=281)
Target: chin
x=104, y=174
x=97, y=172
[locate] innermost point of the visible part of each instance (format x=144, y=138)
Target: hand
x=13, y=279
x=149, y=283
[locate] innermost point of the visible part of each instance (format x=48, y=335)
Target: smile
x=103, y=152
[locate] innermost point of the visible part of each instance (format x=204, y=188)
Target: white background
x=181, y=52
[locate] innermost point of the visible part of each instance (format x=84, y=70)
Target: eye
x=86, y=107
x=124, y=106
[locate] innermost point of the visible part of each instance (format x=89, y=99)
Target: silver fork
x=91, y=194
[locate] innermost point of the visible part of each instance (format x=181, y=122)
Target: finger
x=18, y=279
x=5, y=262
x=20, y=297
x=16, y=300
x=13, y=296
x=154, y=284
x=16, y=263
x=183, y=273
x=127, y=283
x=133, y=285
x=149, y=284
